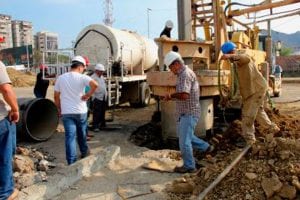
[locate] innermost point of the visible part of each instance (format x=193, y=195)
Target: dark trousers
x=99, y=108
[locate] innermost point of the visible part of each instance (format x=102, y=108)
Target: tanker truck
x=127, y=57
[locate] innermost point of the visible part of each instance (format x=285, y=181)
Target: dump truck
x=216, y=78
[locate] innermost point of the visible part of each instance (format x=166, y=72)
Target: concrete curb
x=68, y=176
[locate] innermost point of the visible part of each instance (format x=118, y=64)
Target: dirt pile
x=21, y=79
x=270, y=170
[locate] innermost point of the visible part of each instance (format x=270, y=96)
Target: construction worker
x=8, y=118
x=167, y=30
x=253, y=88
x=41, y=85
x=187, y=111
x=99, y=99
x=70, y=99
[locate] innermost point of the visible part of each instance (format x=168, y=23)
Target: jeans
x=7, y=145
x=75, y=126
x=187, y=140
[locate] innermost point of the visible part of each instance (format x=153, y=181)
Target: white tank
x=99, y=42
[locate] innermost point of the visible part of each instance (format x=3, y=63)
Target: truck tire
x=145, y=94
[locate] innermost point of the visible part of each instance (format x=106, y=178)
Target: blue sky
x=68, y=17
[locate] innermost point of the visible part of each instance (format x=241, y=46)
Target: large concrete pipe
x=100, y=43
x=38, y=119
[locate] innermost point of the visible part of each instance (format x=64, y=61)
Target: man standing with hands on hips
x=70, y=99
x=187, y=111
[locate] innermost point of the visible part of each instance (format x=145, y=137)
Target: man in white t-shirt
x=70, y=99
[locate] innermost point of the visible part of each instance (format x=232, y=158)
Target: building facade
x=6, y=31
x=46, y=41
x=22, y=33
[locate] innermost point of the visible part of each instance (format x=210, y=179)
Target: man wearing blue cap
x=253, y=88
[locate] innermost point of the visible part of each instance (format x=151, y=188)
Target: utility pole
x=148, y=21
x=108, y=10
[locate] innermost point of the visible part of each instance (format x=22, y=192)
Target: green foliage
x=286, y=51
x=37, y=57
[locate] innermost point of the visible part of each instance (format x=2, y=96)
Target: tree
x=37, y=58
x=286, y=51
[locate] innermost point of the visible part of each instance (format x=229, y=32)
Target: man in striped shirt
x=187, y=111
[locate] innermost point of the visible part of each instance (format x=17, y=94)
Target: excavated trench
x=273, y=159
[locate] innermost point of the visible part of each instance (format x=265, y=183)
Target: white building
x=6, y=31
x=22, y=33
x=46, y=41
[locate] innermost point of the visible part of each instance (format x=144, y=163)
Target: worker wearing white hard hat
x=253, y=88
x=100, y=67
x=99, y=99
x=167, y=29
x=77, y=60
x=70, y=99
x=187, y=111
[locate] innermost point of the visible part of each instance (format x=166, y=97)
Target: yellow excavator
x=218, y=21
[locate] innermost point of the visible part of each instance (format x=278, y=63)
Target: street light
x=148, y=21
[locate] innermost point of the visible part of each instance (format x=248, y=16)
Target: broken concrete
x=71, y=174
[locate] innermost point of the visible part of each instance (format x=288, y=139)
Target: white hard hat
x=169, y=24
x=79, y=59
x=100, y=67
x=171, y=57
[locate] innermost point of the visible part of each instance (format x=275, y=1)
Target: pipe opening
x=39, y=118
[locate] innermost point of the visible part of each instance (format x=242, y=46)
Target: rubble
x=271, y=170
x=31, y=166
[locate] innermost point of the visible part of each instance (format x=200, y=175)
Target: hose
x=239, y=4
x=232, y=95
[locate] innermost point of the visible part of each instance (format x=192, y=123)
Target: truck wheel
x=145, y=94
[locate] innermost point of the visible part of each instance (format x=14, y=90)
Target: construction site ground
x=125, y=178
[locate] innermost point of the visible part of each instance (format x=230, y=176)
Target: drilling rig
x=217, y=79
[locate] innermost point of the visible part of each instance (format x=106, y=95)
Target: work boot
x=250, y=142
x=274, y=129
x=183, y=170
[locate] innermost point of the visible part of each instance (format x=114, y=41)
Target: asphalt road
x=290, y=92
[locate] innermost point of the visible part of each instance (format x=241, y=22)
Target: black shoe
x=183, y=170
x=210, y=149
x=86, y=154
x=96, y=130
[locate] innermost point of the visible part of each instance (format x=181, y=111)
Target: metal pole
x=223, y=174
x=148, y=21
x=27, y=53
